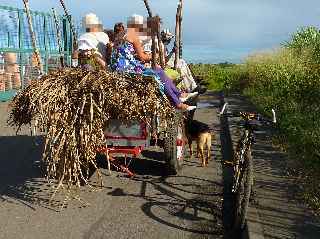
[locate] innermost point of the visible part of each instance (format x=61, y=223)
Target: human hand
x=149, y=57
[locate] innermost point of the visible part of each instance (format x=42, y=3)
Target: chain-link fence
x=17, y=61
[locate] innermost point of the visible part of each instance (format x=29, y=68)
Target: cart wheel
x=174, y=145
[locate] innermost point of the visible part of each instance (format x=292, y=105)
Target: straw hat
x=89, y=20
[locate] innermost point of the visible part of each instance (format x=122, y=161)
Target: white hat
x=166, y=35
x=87, y=41
x=90, y=19
x=136, y=19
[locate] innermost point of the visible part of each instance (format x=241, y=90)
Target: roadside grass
x=223, y=76
x=290, y=83
x=288, y=80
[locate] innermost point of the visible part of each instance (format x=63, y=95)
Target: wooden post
x=180, y=30
x=58, y=36
x=160, y=44
x=162, y=61
x=177, y=38
x=153, y=50
x=156, y=20
x=153, y=47
x=33, y=38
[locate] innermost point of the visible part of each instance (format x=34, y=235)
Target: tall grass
x=288, y=79
x=221, y=76
x=290, y=82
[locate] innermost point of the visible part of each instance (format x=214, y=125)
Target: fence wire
x=17, y=62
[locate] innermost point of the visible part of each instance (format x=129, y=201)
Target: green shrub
x=306, y=39
x=220, y=76
x=287, y=84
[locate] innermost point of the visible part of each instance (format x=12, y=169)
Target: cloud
x=221, y=23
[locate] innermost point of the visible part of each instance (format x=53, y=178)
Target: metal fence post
x=8, y=39
x=71, y=37
x=45, y=43
x=65, y=37
x=21, y=44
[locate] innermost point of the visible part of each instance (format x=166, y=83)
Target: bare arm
x=101, y=61
x=146, y=57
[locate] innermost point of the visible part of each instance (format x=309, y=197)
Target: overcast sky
x=254, y=24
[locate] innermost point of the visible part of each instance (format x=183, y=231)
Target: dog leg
x=208, y=143
x=198, y=150
x=203, y=160
x=200, y=145
x=190, y=147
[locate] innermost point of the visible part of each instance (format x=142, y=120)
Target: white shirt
x=187, y=78
x=94, y=40
x=146, y=43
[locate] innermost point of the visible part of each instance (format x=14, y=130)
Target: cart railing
x=16, y=61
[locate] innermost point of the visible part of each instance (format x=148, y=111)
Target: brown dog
x=201, y=133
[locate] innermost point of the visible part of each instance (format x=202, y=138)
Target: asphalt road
x=148, y=206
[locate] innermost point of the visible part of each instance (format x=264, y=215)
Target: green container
x=7, y=95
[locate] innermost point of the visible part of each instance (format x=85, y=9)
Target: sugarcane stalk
x=33, y=37
x=74, y=35
x=148, y=7
x=67, y=103
x=58, y=37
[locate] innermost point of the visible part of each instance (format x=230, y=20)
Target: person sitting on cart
x=188, y=83
x=92, y=45
x=118, y=29
x=129, y=56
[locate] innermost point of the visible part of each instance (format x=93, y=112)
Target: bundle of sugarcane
x=73, y=107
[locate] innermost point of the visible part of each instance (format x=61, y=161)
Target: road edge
x=253, y=228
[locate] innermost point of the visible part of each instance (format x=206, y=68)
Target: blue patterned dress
x=123, y=59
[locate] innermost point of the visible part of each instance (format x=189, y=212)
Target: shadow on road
x=170, y=206
x=21, y=175
x=150, y=164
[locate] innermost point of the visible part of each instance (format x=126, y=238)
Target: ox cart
x=130, y=139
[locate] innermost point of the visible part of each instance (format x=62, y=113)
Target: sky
x=223, y=30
